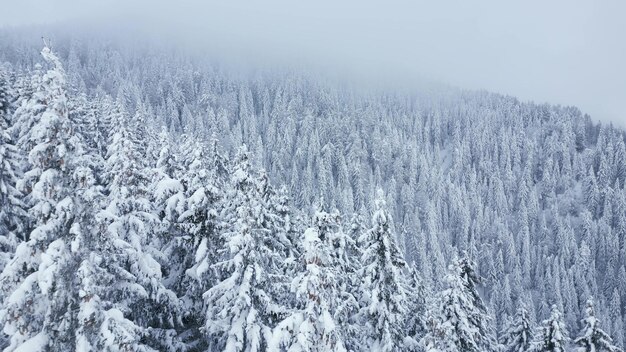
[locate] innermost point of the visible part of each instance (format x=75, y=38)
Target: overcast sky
x=564, y=52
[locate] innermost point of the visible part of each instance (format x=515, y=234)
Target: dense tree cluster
x=109, y=246
x=119, y=234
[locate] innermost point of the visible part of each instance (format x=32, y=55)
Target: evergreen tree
x=458, y=320
x=30, y=291
x=382, y=289
x=552, y=335
x=274, y=216
x=345, y=259
x=103, y=279
x=194, y=250
x=168, y=203
x=415, y=322
x=311, y=326
x=518, y=336
x=240, y=307
x=130, y=218
x=74, y=299
x=12, y=214
x=592, y=338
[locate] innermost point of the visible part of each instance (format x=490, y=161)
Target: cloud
x=562, y=52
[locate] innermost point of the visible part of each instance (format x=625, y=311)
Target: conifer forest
x=153, y=200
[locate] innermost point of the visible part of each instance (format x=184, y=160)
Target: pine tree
x=151, y=305
x=29, y=292
x=74, y=299
x=518, y=336
x=382, y=291
x=168, y=203
x=12, y=214
x=592, y=338
x=194, y=251
x=275, y=216
x=32, y=99
x=616, y=318
x=287, y=221
x=415, y=322
x=458, y=320
x=240, y=309
x=167, y=165
x=311, y=327
x=102, y=277
x=345, y=259
x=552, y=335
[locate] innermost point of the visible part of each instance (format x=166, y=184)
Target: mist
x=560, y=52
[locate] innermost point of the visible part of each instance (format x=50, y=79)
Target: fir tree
x=168, y=203
x=194, y=251
x=382, y=291
x=346, y=258
x=129, y=214
x=31, y=291
x=518, y=336
x=415, y=322
x=552, y=335
x=592, y=338
x=311, y=326
x=458, y=320
x=12, y=214
x=240, y=309
x=103, y=278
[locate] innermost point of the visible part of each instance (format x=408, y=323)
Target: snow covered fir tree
x=175, y=205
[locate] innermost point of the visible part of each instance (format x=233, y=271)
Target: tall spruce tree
x=102, y=276
x=518, y=335
x=552, y=335
x=150, y=304
x=458, y=321
x=12, y=213
x=592, y=338
x=415, y=318
x=34, y=290
x=240, y=307
x=311, y=327
x=346, y=258
x=382, y=289
x=195, y=250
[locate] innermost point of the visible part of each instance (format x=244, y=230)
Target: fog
x=561, y=52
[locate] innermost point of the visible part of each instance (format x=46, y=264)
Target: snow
x=179, y=228
x=49, y=265
x=35, y=344
x=166, y=187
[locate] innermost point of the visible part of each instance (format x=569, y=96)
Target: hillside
x=209, y=197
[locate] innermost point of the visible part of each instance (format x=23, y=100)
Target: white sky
x=563, y=52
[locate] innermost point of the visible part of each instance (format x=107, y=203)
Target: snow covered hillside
x=153, y=200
